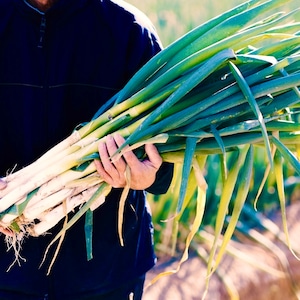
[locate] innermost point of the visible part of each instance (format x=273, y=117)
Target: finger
x=102, y=165
x=102, y=173
x=128, y=155
x=112, y=147
x=112, y=173
x=104, y=152
x=153, y=155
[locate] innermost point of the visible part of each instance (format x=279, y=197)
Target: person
x=60, y=60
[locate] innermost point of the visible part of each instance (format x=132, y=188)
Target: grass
x=173, y=18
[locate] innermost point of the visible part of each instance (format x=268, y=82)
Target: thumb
x=153, y=155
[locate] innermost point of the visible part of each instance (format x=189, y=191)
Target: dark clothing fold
x=56, y=69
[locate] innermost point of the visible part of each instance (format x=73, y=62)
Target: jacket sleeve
x=163, y=179
x=143, y=43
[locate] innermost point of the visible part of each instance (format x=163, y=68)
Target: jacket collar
x=60, y=8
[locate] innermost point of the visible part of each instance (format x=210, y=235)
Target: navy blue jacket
x=56, y=69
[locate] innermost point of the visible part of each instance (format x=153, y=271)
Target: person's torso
x=56, y=70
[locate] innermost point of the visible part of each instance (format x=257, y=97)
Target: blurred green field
x=173, y=18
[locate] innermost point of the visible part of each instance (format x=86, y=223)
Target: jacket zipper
x=42, y=32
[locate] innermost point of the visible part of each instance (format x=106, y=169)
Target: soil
x=235, y=278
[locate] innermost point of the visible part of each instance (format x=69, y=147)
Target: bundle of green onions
x=227, y=85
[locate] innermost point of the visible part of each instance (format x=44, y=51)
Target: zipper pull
x=42, y=32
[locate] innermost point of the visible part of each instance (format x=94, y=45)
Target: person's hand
x=142, y=173
x=4, y=230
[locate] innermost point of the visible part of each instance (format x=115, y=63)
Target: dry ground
x=283, y=283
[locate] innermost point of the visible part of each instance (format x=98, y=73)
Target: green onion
x=228, y=85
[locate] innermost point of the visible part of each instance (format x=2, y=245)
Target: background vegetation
x=172, y=19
